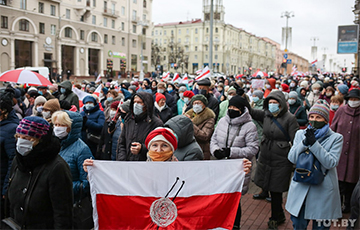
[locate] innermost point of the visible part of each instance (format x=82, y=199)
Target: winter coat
x=223, y=108
x=51, y=202
x=312, y=98
x=300, y=115
x=136, y=129
x=203, y=128
x=74, y=151
x=48, y=96
x=165, y=114
x=213, y=104
x=274, y=169
x=180, y=105
x=302, y=98
x=188, y=149
x=69, y=95
x=115, y=138
x=321, y=201
x=170, y=101
x=355, y=206
x=347, y=122
x=105, y=145
x=108, y=104
x=8, y=147
x=95, y=118
x=259, y=124
x=245, y=141
x=272, y=83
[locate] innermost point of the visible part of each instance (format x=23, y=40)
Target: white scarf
x=158, y=107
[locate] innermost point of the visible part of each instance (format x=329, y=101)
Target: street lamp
x=142, y=24
x=288, y=15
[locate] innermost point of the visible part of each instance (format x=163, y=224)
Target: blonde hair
x=61, y=117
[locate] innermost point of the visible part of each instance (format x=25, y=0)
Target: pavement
x=256, y=213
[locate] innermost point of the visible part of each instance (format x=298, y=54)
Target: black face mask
x=233, y=113
x=203, y=92
x=122, y=115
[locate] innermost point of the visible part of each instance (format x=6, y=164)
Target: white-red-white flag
x=199, y=71
x=98, y=90
x=204, y=74
x=98, y=79
x=165, y=76
x=176, y=77
x=185, y=79
x=81, y=94
x=166, y=195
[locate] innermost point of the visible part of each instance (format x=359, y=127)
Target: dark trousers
x=300, y=223
x=238, y=216
x=346, y=190
x=276, y=205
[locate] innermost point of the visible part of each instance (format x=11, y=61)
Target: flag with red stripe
x=204, y=74
x=176, y=77
x=199, y=71
x=185, y=79
x=166, y=195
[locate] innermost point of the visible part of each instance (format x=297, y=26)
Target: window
x=216, y=30
x=113, y=40
x=105, y=38
x=134, y=29
x=165, y=41
x=187, y=49
x=82, y=34
x=207, y=30
x=52, y=10
x=144, y=45
x=4, y=22
x=113, y=8
x=195, y=57
x=172, y=32
x=144, y=17
x=134, y=15
x=123, y=10
x=24, y=25
x=53, y=29
x=113, y=24
x=207, y=39
x=67, y=14
x=179, y=31
x=143, y=31
x=68, y=32
x=156, y=41
x=196, y=31
x=179, y=40
x=23, y=4
x=206, y=48
x=164, y=32
x=94, y=20
x=144, y=3
x=135, y=1
x=195, y=48
x=105, y=22
x=94, y=37
x=196, y=39
x=94, y=3
x=160, y=41
x=164, y=58
x=122, y=26
x=123, y=41
x=156, y=32
x=41, y=7
x=206, y=56
x=105, y=6
x=216, y=48
x=187, y=31
x=216, y=56
x=134, y=43
x=41, y=28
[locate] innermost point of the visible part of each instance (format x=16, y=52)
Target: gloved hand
x=226, y=152
x=219, y=154
x=111, y=125
x=309, y=137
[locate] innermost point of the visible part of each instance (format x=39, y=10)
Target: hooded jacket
x=272, y=83
x=38, y=100
x=69, y=95
x=300, y=115
x=244, y=144
x=188, y=149
x=136, y=129
x=95, y=117
x=274, y=169
x=8, y=147
x=74, y=151
x=170, y=101
x=302, y=98
x=165, y=114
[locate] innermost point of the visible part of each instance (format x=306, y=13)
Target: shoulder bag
x=82, y=211
x=282, y=130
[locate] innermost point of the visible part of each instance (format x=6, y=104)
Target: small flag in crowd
x=185, y=79
x=176, y=77
x=198, y=71
x=204, y=74
x=175, y=195
x=293, y=69
x=165, y=76
x=314, y=62
x=98, y=79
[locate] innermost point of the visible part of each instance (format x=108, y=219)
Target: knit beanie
x=38, y=100
x=322, y=108
x=114, y=105
x=199, y=97
x=161, y=84
x=33, y=126
x=53, y=105
x=304, y=84
x=293, y=94
x=232, y=88
x=105, y=90
x=133, y=88
x=285, y=88
x=182, y=89
x=239, y=102
x=162, y=134
x=159, y=96
x=259, y=94
x=189, y=94
x=315, y=86
x=343, y=88
x=126, y=106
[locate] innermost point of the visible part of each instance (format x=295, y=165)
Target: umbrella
x=24, y=76
x=260, y=73
x=239, y=76
x=298, y=73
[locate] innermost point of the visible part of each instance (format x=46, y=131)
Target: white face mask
x=267, y=86
x=39, y=109
x=181, y=95
x=46, y=115
x=229, y=97
x=112, y=113
x=277, y=86
x=354, y=104
x=186, y=99
x=24, y=146
x=60, y=132
x=197, y=109
x=316, y=91
x=292, y=84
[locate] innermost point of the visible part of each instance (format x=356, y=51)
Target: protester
x=204, y=87
x=327, y=93
x=67, y=94
x=321, y=202
x=138, y=124
x=38, y=167
x=43, y=91
x=124, y=109
x=203, y=119
x=170, y=100
x=314, y=94
x=188, y=149
x=111, y=97
x=301, y=91
x=187, y=99
x=342, y=89
x=269, y=86
x=161, y=143
x=347, y=122
x=161, y=110
x=50, y=107
x=273, y=170
x=335, y=103
x=31, y=96
x=284, y=88
x=297, y=108
x=38, y=106
x=181, y=103
x=225, y=104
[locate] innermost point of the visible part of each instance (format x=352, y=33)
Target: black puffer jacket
x=188, y=149
x=136, y=129
x=51, y=200
x=165, y=114
x=274, y=169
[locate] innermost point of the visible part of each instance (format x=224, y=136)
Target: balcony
x=110, y=12
x=135, y=19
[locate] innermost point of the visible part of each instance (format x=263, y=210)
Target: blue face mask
x=255, y=99
x=62, y=90
x=110, y=99
x=273, y=108
x=40, y=92
x=291, y=101
x=89, y=106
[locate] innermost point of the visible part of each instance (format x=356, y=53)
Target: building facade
x=85, y=37
x=301, y=63
x=234, y=49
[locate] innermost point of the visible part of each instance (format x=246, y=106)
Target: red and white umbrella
x=298, y=73
x=24, y=76
x=260, y=73
x=239, y=76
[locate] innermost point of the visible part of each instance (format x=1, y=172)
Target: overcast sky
x=313, y=18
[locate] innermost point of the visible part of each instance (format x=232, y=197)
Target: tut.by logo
x=336, y=223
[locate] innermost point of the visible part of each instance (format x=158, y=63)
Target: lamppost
x=142, y=24
x=288, y=15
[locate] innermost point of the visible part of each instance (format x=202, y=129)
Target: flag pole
x=211, y=36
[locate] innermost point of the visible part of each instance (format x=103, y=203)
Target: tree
x=156, y=54
x=176, y=54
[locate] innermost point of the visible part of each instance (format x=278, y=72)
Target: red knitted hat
x=115, y=104
x=162, y=134
x=159, y=96
x=285, y=88
x=188, y=94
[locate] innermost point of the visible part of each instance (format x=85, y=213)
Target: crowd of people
x=49, y=135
